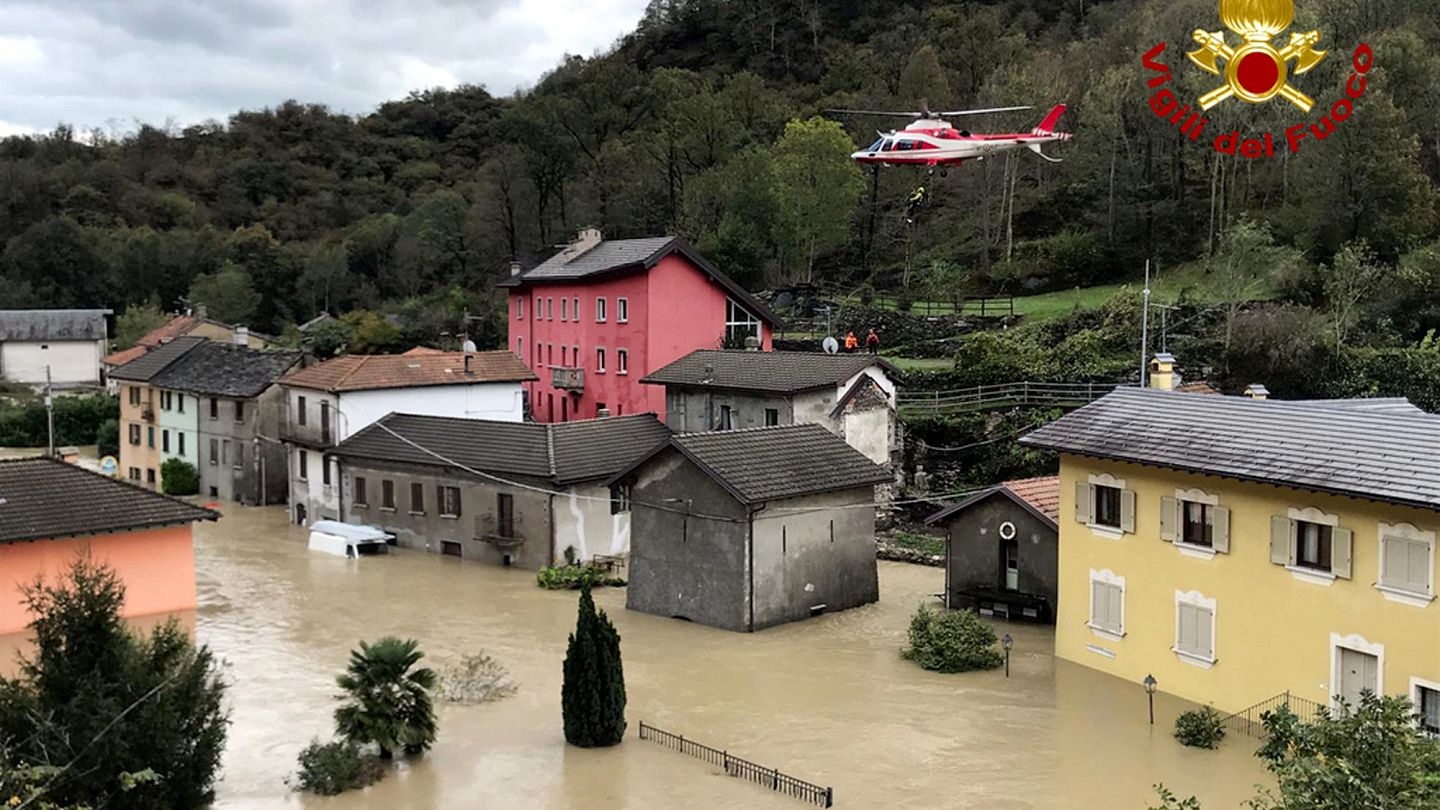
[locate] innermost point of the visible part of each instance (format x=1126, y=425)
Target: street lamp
x=1007, y=642
x=1150, y=694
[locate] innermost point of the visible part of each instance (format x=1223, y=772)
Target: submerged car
x=349, y=539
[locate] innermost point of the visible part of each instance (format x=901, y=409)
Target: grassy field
x=921, y=363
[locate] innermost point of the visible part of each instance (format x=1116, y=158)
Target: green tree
x=1351, y=281
x=592, y=697
x=388, y=698
x=179, y=477
x=107, y=438
x=923, y=82
x=370, y=333
x=136, y=321
x=115, y=719
x=228, y=294
x=817, y=188
x=1245, y=266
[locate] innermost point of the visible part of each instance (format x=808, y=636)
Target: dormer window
x=739, y=323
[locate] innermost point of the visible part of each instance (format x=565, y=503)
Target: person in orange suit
x=851, y=342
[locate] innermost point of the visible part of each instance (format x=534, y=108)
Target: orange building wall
x=157, y=567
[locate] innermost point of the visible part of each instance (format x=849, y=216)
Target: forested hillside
x=704, y=122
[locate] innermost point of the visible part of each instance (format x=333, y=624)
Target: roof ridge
x=550, y=447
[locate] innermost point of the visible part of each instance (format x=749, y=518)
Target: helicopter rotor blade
x=892, y=113
x=982, y=112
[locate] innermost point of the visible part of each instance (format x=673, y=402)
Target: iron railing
x=1251, y=721
x=741, y=768
x=997, y=395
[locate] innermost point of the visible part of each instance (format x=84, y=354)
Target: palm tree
x=389, y=699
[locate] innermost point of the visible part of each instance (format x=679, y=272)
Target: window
x=134, y=473
x=519, y=307
x=387, y=494
x=1194, y=628
x=150, y=437
x=739, y=323
x=303, y=459
x=239, y=411
x=539, y=309
x=134, y=397
x=224, y=451
x=549, y=309
x=325, y=471
x=164, y=441
x=772, y=417
x=564, y=309
x=622, y=361
x=362, y=492
x=1197, y=523
x=164, y=400
x=214, y=408
x=1426, y=699
x=135, y=435
x=725, y=419
x=550, y=354
x=520, y=347
x=300, y=410
x=180, y=437
x=180, y=403
x=1107, y=507
x=215, y=455
x=1194, y=520
x=325, y=422
x=539, y=355
x=240, y=456
x=1407, y=562
x=599, y=361
x=448, y=500
x=417, y=498
x=150, y=476
x=505, y=513
x=619, y=499
x=575, y=308
x=1313, y=545
x=622, y=310
x=599, y=310
x=1107, y=604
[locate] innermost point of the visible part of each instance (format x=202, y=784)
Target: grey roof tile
x=774, y=372
x=225, y=370
x=1372, y=453
x=145, y=367
x=47, y=498
x=773, y=463
x=564, y=453
x=53, y=324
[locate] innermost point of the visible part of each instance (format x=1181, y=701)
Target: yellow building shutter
x=1282, y=546
x=1169, y=517
x=1340, y=552
x=1127, y=511
x=1084, y=497
x=1220, y=530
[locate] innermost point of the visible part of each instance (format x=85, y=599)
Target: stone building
x=506, y=493
x=747, y=529
x=851, y=395
x=1002, y=549
x=68, y=342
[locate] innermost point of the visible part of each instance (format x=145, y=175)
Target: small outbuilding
x=747, y=529
x=1001, y=549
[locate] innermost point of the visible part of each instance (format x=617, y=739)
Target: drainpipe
x=750, y=559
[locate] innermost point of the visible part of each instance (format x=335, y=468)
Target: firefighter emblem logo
x=1255, y=70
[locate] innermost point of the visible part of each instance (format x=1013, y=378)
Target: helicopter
x=931, y=141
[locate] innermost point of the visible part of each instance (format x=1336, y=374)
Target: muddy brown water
x=827, y=700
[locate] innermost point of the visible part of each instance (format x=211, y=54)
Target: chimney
x=1257, y=391
x=602, y=413
x=586, y=239
x=242, y=336
x=752, y=343
x=514, y=268
x=469, y=348
x=709, y=375
x=1162, y=372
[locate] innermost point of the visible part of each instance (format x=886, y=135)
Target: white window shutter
x=1419, y=566
x=1396, y=571
x=1099, y=603
x=1220, y=537
x=1341, y=542
x=1117, y=609
x=1282, y=537
x=1204, y=628
x=1127, y=511
x=1083, y=495
x=1169, y=518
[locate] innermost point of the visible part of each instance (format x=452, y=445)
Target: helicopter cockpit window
x=875, y=147
x=905, y=146
x=889, y=145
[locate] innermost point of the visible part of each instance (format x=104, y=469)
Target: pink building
x=600, y=314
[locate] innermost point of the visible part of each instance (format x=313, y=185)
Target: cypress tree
x=592, y=698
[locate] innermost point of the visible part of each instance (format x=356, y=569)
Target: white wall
x=70, y=361
x=502, y=402
x=582, y=519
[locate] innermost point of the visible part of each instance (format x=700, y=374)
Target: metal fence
x=980, y=397
x=1251, y=721
x=741, y=768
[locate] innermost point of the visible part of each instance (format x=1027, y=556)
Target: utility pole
x=49, y=412
x=1145, y=325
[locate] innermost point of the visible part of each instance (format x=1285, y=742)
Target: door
x=1359, y=672
x=1012, y=565
x=299, y=514
x=450, y=549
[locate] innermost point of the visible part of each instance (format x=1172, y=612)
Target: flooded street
x=828, y=700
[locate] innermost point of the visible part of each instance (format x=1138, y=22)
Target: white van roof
x=350, y=531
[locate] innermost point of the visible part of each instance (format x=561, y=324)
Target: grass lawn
x=922, y=363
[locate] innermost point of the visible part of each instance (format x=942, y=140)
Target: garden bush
x=332, y=768
x=179, y=477
x=571, y=577
x=77, y=419
x=952, y=641
x=477, y=678
x=1199, y=728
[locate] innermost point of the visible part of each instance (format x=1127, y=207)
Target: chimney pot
x=602, y=413
x=1257, y=391
x=514, y=268
x=242, y=336
x=752, y=343
x=1162, y=372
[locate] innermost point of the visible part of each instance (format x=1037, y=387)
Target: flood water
x=828, y=700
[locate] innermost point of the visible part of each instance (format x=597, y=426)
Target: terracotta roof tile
x=1041, y=493
x=356, y=372
x=175, y=327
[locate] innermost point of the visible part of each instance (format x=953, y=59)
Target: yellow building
x=1237, y=549
x=142, y=438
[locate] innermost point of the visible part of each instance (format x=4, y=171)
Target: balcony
x=489, y=529
x=568, y=378
x=147, y=413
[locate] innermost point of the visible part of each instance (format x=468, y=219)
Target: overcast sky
x=110, y=63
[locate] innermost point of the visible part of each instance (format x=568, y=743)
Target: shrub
x=179, y=477
x=953, y=641
x=475, y=678
x=388, y=698
x=592, y=697
x=1199, y=728
x=571, y=577
x=335, y=767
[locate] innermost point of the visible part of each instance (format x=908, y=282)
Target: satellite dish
x=831, y=345
x=109, y=466
x=469, y=346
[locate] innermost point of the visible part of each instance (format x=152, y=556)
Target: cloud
x=102, y=63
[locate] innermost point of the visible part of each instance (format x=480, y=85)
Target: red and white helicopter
x=931, y=141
